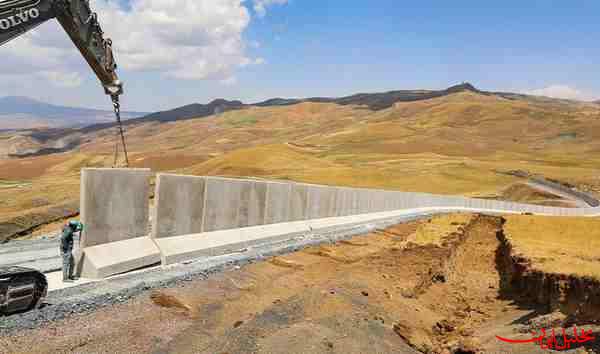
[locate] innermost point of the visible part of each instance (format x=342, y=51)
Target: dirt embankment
x=576, y=297
x=25, y=224
x=524, y=193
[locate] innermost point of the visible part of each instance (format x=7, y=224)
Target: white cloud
x=183, y=39
x=180, y=39
x=562, y=91
x=230, y=81
x=31, y=53
x=62, y=79
x=44, y=55
x=260, y=6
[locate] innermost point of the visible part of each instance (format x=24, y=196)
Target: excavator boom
x=80, y=23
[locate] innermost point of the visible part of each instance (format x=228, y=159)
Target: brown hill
x=449, y=144
x=49, y=141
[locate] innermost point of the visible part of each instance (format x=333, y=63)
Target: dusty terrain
x=378, y=293
x=453, y=144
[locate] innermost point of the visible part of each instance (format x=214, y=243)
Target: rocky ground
x=397, y=290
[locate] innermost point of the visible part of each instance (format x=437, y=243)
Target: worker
x=66, y=248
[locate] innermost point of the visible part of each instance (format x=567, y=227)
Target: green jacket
x=66, y=239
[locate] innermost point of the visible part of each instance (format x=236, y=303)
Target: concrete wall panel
x=321, y=202
x=252, y=207
x=390, y=202
x=364, y=200
x=114, y=204
x=380, y=204
x=298, y=203
x=278, y=203
x=114, y=209
x=408, y=201
x=179, y=204
x=343, y=201
x=232, y=203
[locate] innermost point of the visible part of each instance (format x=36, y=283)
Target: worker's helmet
x=76, y=225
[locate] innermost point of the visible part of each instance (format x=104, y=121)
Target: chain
x=120, y=133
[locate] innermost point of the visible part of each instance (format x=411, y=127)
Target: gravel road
x=580, y=203
x=42, y=254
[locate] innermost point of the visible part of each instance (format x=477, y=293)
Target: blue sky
x=304, y=48
x=346, y=47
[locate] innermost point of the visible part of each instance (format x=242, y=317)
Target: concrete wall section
x=114, y=204
x=277, y=206
x=192, y=205
x=222, y=201
x=321, y=202
x=343, y=201
x=180, y=205
x=114, y=210
x=298, y=202
x=253, y=204
x=232, y=203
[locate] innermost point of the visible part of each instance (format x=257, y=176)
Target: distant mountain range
x=373, y=101
x=194, y=110
x=23, y=113
x=31, y=142
x=27, y=113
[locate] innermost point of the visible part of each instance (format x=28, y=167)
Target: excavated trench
x=487, y=290
x=578, y=298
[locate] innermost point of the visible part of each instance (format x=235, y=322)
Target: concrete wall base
x=216, y=243
x=118, y=257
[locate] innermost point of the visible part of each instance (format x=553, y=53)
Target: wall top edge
x=512, y=206
x=106, y=169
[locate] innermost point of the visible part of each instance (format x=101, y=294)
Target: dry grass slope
x=448, y=145
x=557, y=245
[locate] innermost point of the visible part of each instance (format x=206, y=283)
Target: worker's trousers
x=67, y=265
